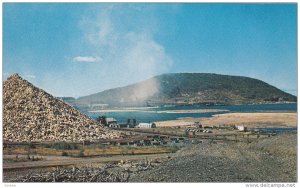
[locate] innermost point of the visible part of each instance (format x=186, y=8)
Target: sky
x=77, y=49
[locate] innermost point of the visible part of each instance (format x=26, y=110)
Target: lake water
x=277, y=129
x=152, y=114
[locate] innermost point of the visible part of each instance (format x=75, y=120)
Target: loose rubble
x=75, y=175
x=31, y=114
x=108, y=173
x=265, y=160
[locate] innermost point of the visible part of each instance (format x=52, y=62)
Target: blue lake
x=277, y=129
x=152, y=114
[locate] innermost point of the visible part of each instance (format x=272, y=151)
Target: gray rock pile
x=108, y=173
x=74, y=174
x=31, y=114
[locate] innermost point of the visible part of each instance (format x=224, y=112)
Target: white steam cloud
x=144, y=91
x=129, y=52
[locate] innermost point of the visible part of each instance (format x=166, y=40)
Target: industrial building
x=146, y=125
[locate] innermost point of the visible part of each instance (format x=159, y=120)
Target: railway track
x=51, y=161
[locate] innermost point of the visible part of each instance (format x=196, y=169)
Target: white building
x=241, y=128
x=146, y=125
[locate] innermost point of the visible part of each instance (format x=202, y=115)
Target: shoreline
x=254, y=119
x=187, y=111
x=146, y=109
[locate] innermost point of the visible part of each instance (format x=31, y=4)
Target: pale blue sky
x=80, y=49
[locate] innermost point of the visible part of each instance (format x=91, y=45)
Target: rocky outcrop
x=31, y=114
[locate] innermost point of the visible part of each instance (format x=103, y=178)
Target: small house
x=125, y=125
x=110, y=120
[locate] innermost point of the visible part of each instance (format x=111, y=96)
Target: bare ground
x=248, y=119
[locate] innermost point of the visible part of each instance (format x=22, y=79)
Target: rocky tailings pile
x=31, y=114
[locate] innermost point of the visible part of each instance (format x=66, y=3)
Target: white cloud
x=86, y=59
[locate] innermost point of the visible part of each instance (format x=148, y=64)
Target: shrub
x=31, y=145
x=64, y=153
x=64, y=146
x=174, y=149
x=81, y=153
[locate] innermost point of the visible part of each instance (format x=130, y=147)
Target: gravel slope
x=266, y=160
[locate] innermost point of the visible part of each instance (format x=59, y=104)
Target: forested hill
x=190, y=88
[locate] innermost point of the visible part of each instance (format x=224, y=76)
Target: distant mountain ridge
x=189, y=89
